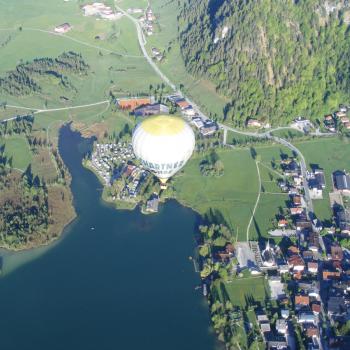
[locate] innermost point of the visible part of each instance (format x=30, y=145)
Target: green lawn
x=288, y=133
x=17, y=148
x=330, y=154
x=240, y=289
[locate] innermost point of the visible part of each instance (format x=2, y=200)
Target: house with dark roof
x=343, y=218
x=337, y=252
x=342, y=181
x=151, y=109
x=320, y=178
x=335, y=306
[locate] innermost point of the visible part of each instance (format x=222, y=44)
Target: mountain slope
x=274, y=59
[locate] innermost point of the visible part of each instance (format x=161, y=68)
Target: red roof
x=316, y=308
x=183, y=104
x=330, y=275
x=132, y=103
x=282, y=222
x=302, y=300
x=312, y=332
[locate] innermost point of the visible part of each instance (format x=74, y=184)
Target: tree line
x=24, y=79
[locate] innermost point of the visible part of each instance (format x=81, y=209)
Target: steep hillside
x=273, y=59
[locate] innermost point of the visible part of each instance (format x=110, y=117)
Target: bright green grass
x=17, y=148
x=330, y=154
x=241, y=288
x=290, y=133
x=108, y=69
x=233, y=194
x=269, y=204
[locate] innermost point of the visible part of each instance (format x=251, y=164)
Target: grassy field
x=17, y=148
x=233, y=194
x=287, y=134
x=271, y=198
x=240, y=289
x=330, y=154
x=116, y=62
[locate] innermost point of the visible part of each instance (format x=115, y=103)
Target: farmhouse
x=63, y=28
x=253, y=123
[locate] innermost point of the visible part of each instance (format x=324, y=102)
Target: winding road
x=267, y=134
x=142, y=43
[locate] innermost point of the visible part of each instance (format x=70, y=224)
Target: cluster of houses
x=156, y=54
x=333, y=121
x=100, y=10
x=146, y=106
x=147, y=21
x=106, y=156
x=318, y=289
x=206, y=127
x=341, y=185
x=113, y=161
x=302, y=124
x=134, y=176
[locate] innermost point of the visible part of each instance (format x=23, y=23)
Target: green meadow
x=232, y=194
x=17, y=149
x=115, y=59
x=329, y=154
x=241, y=289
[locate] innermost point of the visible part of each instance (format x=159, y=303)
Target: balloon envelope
x=163, y=144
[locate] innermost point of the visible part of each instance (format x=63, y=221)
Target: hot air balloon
x=163, y=144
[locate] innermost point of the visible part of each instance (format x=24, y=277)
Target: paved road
x=142, y=43
x=267, y=134
x=303, y=168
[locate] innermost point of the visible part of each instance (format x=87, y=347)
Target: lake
x=116, y=279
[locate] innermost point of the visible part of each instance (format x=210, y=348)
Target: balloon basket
x=163, y=186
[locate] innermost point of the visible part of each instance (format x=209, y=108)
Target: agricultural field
x=17, y=149
x=110, y=48
x=232, y=194
x=235, y=193
x=329, y=154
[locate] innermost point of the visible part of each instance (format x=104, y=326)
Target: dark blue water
x=128, y=284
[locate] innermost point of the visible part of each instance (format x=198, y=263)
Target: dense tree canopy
x=273, y=59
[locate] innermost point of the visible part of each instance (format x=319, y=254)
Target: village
x=306, y=265
x=115, y=163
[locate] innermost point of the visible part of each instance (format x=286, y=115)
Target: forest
x=25, y=78
x=24, y=207
x=272, y=60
